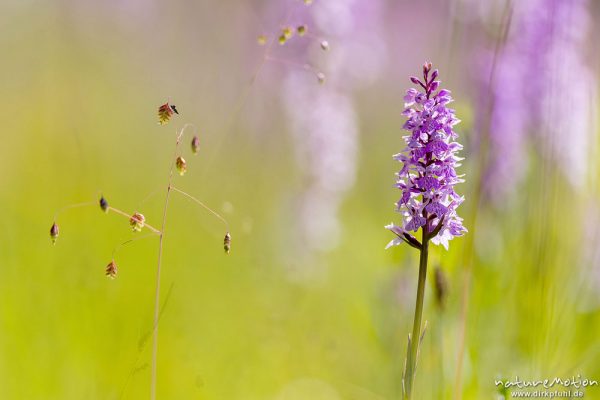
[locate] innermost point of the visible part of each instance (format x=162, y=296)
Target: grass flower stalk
x=158, y=271
x=137, y=223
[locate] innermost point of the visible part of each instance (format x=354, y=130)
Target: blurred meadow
x=308, y=305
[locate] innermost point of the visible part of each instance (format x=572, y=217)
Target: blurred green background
x=81, y=82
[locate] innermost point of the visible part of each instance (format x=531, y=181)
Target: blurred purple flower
x=542, y=92
x=428, y=175
x=323, y=119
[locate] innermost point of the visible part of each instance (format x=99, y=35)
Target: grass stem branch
x=210, y=210
x=128, y=216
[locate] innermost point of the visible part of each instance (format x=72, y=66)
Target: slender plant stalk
x=207, y=208
x=158, y=268
x=241, y=100
x=109, y=208
x=429, y=166
x=111, y=269
x=411, y=363
x=89, y=203
x=499, y=46
x=236, y=110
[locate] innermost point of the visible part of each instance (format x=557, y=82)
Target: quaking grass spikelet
x=103, y=204
x=136, y=221
x=181, y=165
x=111, y=270
x=227, y=243
x=165, y=112
x=54, y=232
x=195, y=145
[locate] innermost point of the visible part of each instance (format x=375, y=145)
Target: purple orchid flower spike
x=428, y=174
x=426, y=181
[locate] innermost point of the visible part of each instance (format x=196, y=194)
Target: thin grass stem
x=210, y=210
x=505, y=29
x=142, y=346
x=60, y=211
x=135, y=239
x=158, y=267
x=243, y=96
x=305, y=66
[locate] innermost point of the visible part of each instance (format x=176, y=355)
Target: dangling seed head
x=181, y=165
x=227, y=243
x=195, y=144
x=308, y=2
x=282, y=39
x=137, y=221
x=103, y=204
x=287, y=32
x=111, y=270
x=165, y=112
x=262, y=40
x=301, y=30
x=324, y=45
x=321, y=78
x=54, y=232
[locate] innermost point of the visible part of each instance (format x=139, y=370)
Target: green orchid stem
x=411, y=357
